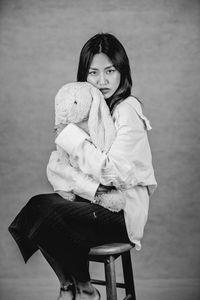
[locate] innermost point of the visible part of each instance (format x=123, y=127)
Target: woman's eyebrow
x=111, y=66
x=108, y=67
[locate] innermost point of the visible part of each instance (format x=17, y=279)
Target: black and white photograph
x=100, y=149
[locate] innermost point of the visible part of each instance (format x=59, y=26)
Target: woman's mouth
x=104, y=91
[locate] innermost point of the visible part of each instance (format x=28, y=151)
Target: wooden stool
x=107, y=254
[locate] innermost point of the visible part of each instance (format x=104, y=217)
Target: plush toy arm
x=65, y=178
x=56, y=161
x=114, y=200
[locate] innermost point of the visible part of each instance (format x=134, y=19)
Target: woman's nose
x=102, y=80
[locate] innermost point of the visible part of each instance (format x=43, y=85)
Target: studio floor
x=47, y=289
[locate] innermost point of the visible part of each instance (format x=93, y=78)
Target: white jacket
x=128, y=164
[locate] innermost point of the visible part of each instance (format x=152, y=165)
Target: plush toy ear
x=72, y=103
x=100, y=123
x=60, y=104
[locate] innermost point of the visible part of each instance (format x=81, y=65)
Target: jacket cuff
x=71, y=137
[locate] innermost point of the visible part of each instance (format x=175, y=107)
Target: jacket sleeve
x=128, y=162
x=64, y=177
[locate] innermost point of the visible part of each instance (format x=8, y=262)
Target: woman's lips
x=104, y=91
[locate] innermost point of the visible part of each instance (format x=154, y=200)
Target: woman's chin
x=107, y=96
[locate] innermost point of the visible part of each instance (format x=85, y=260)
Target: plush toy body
x=76, y=102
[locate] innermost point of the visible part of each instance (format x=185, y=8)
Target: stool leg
x=128, y=274
x=111, y=289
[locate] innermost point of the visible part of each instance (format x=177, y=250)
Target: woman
x=65, y=231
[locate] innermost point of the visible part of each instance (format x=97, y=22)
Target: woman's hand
x=102, y=189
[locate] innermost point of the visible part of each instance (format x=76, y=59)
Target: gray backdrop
x=40, y=43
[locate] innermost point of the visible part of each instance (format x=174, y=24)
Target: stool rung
x=102, y=282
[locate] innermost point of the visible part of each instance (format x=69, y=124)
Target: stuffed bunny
x=81, y=101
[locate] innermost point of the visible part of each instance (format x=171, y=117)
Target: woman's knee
x=44, y=199
x=39, y=199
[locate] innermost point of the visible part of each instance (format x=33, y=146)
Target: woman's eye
x=110, y=71
x=92, y=73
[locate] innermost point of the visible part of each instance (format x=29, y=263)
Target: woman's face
x=103, y=75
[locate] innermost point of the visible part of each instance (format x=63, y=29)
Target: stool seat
x=111, y=249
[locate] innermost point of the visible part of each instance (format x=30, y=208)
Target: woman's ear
x=100, y=123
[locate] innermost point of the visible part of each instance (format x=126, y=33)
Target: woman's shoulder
x=130, y=109
x=130, y=102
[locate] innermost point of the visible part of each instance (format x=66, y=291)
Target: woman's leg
x=65, y=231
x=70, y=288
x=80, y=226
x=86, y=291
x=64, y=278
x=67, y=287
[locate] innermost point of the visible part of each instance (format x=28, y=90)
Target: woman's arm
x=128, y=162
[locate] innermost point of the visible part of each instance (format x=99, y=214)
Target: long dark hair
x=108, y=44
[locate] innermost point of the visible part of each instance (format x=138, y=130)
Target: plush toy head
x=79, y=101
x=72, y=103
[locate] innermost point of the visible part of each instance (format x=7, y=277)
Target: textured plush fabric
x=79, y=101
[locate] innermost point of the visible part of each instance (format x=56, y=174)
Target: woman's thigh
x=81, y=219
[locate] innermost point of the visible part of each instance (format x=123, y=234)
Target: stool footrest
x=102, y=282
